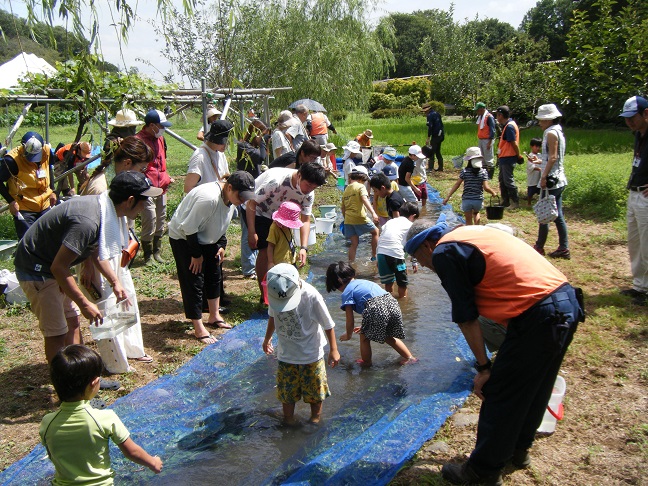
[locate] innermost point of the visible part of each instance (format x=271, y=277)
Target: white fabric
x=113, y=231
x=202, y=212
x=300, y=332
x=274, y=187
x=210, y=165
x=481, y=120
x=637, y=218
x=279, y=141
x=18, y=67
x=419, y=170
x=533, y=173
x=393, y=236
x=298, y=134
x=487, y=153
x=558, y=169
x=347, y=167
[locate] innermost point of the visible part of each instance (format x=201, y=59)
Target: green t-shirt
x=76, y=438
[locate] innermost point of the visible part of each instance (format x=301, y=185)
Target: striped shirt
x=473, y=183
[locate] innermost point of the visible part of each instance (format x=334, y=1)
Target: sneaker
x=373, y=259
x=539, y=250
x=251, y=276
x=561, y=253
x=634, y=293
x=641, y=300
x=521, y=458
x=464, y=474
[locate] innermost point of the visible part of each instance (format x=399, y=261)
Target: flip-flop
x=202, y=339
x=144, y=359
x=105, y=384
x=218, y=323
x=98, y=403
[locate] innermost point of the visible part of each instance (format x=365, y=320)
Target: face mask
x=159, y=133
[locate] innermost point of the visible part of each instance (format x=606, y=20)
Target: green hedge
x=57, y=118
x=395, y=113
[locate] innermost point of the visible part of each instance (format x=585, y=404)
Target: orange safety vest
x=506, y=148
x=28, y=190
x=516, y=276
x=484, y=133
x=318, y=124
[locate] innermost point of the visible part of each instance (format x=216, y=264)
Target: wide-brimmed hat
x=548, y=112
x=288, y=215
x=329, y=147
x=434, y=233
x=416, y=150
x=284, y=292
x=157, y=117
x=353, y=147
x=426, y=107
x=634, y=105
x=472, y=153
x=368, y=133
x=389, y=153
x=360, y=169
x=125, y=118
x=213, y=112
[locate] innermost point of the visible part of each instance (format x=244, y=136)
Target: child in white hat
x=298, y=314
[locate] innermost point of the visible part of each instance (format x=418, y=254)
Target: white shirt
x=274, y=187
x=393, y=236
x=204, y=212
x=347, y=167
x=279, y=141
x=210, y=165
x=300, y=332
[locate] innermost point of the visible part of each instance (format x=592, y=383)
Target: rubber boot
x=157, y=245
x=147, y=248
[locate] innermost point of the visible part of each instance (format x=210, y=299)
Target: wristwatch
x=304, y=248
x=484, y=367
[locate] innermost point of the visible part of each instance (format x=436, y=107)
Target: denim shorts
x=358, y=229
x=471, y=205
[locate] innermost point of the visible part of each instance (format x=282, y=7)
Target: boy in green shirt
x=76, y=436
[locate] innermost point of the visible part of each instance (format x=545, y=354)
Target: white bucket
x=555, y=408
x=324, y=225
x=13, y=292
x=312, y=239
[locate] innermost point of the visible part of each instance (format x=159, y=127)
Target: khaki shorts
x=50, y=305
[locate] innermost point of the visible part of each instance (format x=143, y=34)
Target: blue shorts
x=474, y=205
x=358, y=229
x=391, y=269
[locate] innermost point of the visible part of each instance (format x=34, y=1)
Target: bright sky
x=143, y=42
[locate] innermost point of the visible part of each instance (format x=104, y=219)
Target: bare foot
x=410, y=360
x=362, y=362
x=315, y=419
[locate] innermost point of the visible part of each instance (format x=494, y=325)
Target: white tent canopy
x=19, y=66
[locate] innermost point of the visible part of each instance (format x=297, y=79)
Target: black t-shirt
x=407, y=165
x=639, y=174
x=284, y=160
x=394, y=202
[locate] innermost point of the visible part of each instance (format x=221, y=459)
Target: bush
x=57, y=118
x=395, y=113
x=438, y=107
x=337, y=115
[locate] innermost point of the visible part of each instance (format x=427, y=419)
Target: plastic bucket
x=555, y=409
x=117, y=317
x=340, y=182
x=264, y=288
x=324, y=225
x=312, y=238
x=494, y=211
x=13, y=292
x=325, y=209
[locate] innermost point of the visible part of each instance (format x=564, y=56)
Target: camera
x=551, y=181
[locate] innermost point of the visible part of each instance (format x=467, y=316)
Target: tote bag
x=546, y=209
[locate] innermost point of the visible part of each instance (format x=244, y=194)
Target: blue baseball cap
x=390, y=171
x=433, y=233
x=634, y=105
x=157, y=117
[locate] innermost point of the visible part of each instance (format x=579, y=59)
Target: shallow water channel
x=217, y=420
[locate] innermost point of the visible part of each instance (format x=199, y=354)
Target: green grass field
x=598, y=161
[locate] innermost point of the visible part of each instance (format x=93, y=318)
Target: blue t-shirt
x=358, y=292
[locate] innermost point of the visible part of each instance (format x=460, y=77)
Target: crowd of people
x=492, y=278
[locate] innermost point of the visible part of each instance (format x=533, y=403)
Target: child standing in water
x=475, y=181
x=299, y=315
x=281, y=245
x=382, y=320
x=355, y=206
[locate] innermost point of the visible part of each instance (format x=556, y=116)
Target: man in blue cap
x=635, y=113
x=26, y=181
x=488, y=272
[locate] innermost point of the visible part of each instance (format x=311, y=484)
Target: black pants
x=435, y=143
x=193, y=285
x=28, y=218
x=522, y=379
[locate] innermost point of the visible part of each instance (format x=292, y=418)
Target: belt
x=638, y=188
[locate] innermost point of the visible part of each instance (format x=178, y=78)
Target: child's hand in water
x=345, y=337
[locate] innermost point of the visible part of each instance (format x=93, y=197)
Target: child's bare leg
x=316, y=412
x=399, y=346
x=476, y=217
x=289, y=413
x=469, y=217
x=365, y=350
x=389, y=287
x=374, y=242
x=354, y=246
x=402, y=292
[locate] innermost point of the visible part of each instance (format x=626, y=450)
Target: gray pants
x=153, y=218
x=487, y=153
x=507, y=182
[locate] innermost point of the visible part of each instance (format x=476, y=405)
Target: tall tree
x=550, y=20
x=490, y=33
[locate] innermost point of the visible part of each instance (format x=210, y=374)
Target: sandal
x=98, y=403
x=105, y=384
x=144, y=359
x=220, y=323
x=208, y=336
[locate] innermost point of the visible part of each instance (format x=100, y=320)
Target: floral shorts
x=296, y=381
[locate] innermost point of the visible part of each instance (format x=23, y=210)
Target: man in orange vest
x=26, y=181
x=487, y=272
x=508, y=155
x=486, y=135
x=318, y=126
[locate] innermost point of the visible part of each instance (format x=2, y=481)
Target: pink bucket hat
x=288, y=215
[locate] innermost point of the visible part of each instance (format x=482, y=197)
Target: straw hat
x=368, y=133
x=125, y=118
x=548, y=112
